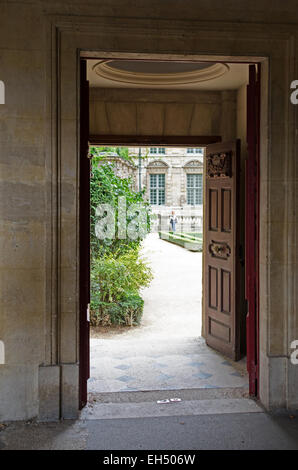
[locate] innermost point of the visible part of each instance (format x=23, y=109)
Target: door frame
x=68, y=39
x=153, y=140
x=84, y=239
x=252, y=226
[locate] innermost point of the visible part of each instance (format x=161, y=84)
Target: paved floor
x=220, y=432
x=213, y=431
x=166, y=352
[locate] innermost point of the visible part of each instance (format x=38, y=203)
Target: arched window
x=156, y=172
x=194, y=188
x=194, y=182
x=157, y=188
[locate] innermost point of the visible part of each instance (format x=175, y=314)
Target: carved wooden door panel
x=222, y=319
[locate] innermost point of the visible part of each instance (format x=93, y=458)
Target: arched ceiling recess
x=157, y=73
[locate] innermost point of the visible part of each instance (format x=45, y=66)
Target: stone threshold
x=125, y=410
x=154, y=395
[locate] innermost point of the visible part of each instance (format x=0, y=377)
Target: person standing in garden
x=173, y=221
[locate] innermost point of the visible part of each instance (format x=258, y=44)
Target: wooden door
x=252, y=226
x=84, y=256
x=221, y=249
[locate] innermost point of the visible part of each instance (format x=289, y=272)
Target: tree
x=106, y=188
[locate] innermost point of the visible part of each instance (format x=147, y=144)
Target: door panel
x=222, y=317
x=213, y=211
x=84, y=208
x=226, y=210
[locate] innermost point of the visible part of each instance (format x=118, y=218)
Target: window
x=157, y=189
x=195, y=150
x=195, y=189
x=156, y=150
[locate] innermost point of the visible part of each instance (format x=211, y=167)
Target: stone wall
x=25, y=223
x=123, y=168
x=163, y=112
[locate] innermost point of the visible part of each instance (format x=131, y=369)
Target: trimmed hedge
x=115, y=285
x=128, y=311
x=190, y=241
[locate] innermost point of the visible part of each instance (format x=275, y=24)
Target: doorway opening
x=165, y=348
x=140, y=364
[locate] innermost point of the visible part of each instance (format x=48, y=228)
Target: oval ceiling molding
x=125, y=72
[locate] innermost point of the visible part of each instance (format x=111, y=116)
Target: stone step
x=144, y=404
x=153, y=409
x=154, y=395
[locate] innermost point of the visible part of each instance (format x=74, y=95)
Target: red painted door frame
x=251, y=230
x=252, y=190
x=84, y=253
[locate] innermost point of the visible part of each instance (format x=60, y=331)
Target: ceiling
x=166, y=75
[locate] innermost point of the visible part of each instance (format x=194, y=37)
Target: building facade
x=172, y=178
x=173, y=181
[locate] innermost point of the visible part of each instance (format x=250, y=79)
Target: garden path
x=173, y=300
x=166, y=351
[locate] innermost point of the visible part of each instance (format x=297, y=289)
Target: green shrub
x=115, y=283
x=127, y=312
